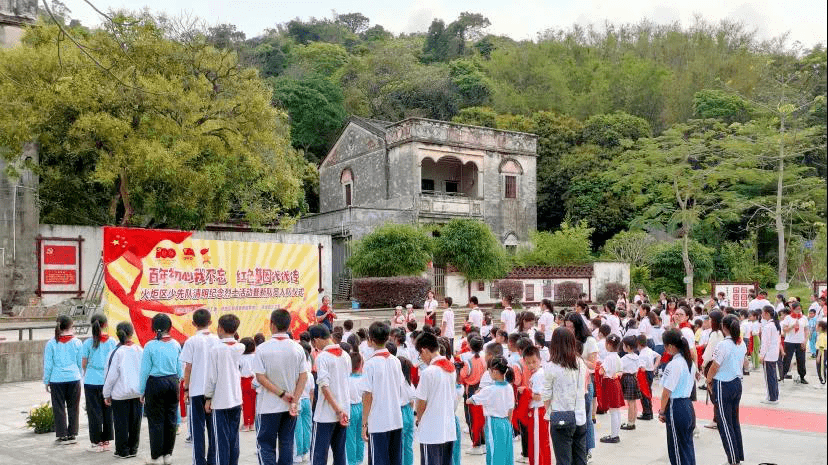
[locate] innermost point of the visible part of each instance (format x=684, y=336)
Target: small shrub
x=765, y=275
x=390, y=292
x=566, y=293
x=510, y=289
x=640, y=277
x=41, y=418
x=611, y=292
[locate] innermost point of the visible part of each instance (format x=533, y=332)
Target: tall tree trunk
x=124, y=192
x=782, y=272
x=688, y=265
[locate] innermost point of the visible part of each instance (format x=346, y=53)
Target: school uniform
x=248, y=392
x=679, y=415
x=304, y=422
x=629, y=383
x=658, y=343
x=282, y=361
x=333, y=366
x=727, y=389
x=196, y=352
x=755, y=332
x=476, y=318
x=538, y=428
x=355, y=447
x=437, y=432
x=455, y=449
x=507, y=319
x=62, y=359
x=448, y=320
x=794, y=340
x=382, y=377
x=121, y=386
x=611, y=391
x=158, y=383
x=365, y=350
x=647, y=358
x=769, y=352
x=615, y=324
x=470, y=376
x=98, y=414
x=223, y=388
x=497, y=400
x=406, y=399
x=547, y=320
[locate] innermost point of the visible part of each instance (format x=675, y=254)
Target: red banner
x=60, y=255
x=60, y=277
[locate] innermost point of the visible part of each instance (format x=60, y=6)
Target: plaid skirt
x=629, y=385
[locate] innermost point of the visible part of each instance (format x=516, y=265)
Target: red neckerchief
x=166, y=338
x=382, y=353
x=334, y=349
x=128, y=343
x=443, y=363
x=796, y=316
x=229, y=342
x=65, y=338
x=280, y=337
x=685, y=325
x=104, y=337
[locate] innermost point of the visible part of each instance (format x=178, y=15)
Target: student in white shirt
x=333, y=408
x=795, y=329
x=447, y=325
x=498, y=401
x=647, y=359
x=629, y=381
x=475, y=315
x=195, y=355
x=247, y=377
x=382, y=417
x=222, y=390
x=546, y=322
x=612, y=319
x=121, y=391
x=759, y=302
x=281, y=370
x=434, y=405
x=507, y=317
x=676, y=409
x=769, y=353
x=430, y=309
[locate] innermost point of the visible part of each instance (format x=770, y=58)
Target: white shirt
x=794, y=336
x=645, y=328
x=121, y=375
x=407, y=393
x=437, y=389
x=365, y=350
x=223, y=377
x=282, y=361
x=485, y=380
x=705, y=336
x=647, y=357
x=746, y=328
x=196, y=351
x=565, y=390
x=476, y=318
x=355, y=389
x=382, y=377
x=689, y=336
x=637, y=299
x=333, y=366
x=713, y=340
x=485, y=331
x=346, y=335
x=724, y=303
x=602, y=349
x=448, y=319
x=614, y=324
x=769, y=350
x=758, y=304
x=678, y=378
x=611, y=364
x=430, y=306
x=657, y=333
x=547, y=321
x=630, y=363
x=536, y=384
x=246, y=365
x=497, y=399
x=507, y=317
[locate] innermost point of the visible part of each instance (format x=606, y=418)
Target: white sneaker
x=298, y=459
x=151, y=461
x=522, y=459
x=479, y=450
x=167, y=459
x=95, y=448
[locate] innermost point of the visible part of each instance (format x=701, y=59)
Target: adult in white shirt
x=281, y=370
x=815, y=306
x=546, y=322
x=716, y=336
x=507, y=317
x=795, y=329
x=638, y=298
x=564, y=391
x=682, y=317
x=435, y=404
x=759, y=302
x=430, y=309
x=447, y=323
x=330, y=419
x=475, y=315
x=195, y=355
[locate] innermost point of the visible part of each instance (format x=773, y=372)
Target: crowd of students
x=371, y=394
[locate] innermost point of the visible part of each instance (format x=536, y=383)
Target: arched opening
x=346, y=178
x=449, y=176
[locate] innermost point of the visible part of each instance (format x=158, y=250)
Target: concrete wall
x=21, y=361
x=93, y=242
x=609, y=272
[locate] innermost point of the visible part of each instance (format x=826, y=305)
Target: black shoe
x=802, y=381
x=644, y=417
x=595, y=420
x=610, y=440
x=788, y=376
x=745, y=373
x=628, y=427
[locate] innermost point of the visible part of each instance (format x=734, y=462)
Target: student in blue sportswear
x=62, y=375
x=96, y=352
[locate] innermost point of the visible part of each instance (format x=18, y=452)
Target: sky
x=804, y=20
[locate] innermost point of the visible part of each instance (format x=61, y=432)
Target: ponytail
x=774, y=316
x=98, y=322
x=673, y=337
x=500, y=364
x=63, y=323
x=731, y=323
x=161, y=323
x=124, y=331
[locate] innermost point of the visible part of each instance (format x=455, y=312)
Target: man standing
x=435, y=404
x=795, y=329
x=447, y=324
x=325, y=315
x=330, y=420
x=507, y=316
x=475, y=315
x=281, y=369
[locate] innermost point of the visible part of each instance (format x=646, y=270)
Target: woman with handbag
x=564, y=401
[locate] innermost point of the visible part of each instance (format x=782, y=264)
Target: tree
x=472, y=248
x=476, y=116
x=569, y=245
x=150, y=132
x=355, y=22
x=320, y=58
x=667, y=264
x=719, y=104
x=471, y=83
x=391, y=250
x=629, y=246
x=224, y=36
x=611, y=130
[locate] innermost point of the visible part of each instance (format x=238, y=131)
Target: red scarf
x=336, y=351
x=280, y=337
x=128, y=343
x=65, y=338
x=166, y=338
x=685, y=325
x=230, y=343
x=382, y=353
x=443, y=363
x=104, y=337
x=796, y=316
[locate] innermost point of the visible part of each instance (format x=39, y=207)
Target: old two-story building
x=420, y=171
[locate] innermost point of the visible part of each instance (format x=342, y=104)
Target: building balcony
x=442, y=204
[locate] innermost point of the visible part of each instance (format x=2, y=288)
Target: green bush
x=390, y=292
x=569, y=245
x=41, y=418
x=667, y=266
x=640, y=278
x=391, y=250
x=765, y=275
x=566, y=293
x=472, y=248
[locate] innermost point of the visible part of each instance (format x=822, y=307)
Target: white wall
x=92, y=245
x=608, y=272
x=456, y=283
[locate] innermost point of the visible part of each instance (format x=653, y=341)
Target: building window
x=427, y=185
x=529, y=293
x=510, y=183
x=346, y=178
x=452, y=187
x=547, y=289
x=481, y=285
x=493, y=294
x=347, y=195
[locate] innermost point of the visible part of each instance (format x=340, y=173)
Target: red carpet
x=768, y=417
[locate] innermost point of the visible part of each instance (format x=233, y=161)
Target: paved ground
x=793, y=432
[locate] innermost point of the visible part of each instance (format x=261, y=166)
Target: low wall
x=21, y=361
